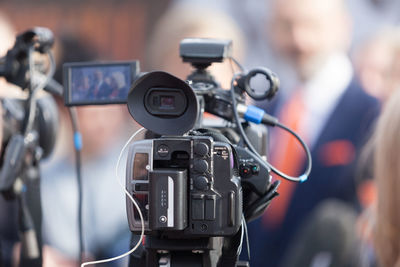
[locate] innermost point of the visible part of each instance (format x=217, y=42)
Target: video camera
x=193, y=184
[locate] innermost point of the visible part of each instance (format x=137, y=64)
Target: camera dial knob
x=200, y=183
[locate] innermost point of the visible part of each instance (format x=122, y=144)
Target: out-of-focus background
x=119, y=29
x=113, y=29
x=149, y=31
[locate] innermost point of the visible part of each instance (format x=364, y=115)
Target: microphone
x=15, y=65
x=327, y=238
x=41, y=37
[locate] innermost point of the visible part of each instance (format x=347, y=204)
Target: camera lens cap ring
x=269, y=75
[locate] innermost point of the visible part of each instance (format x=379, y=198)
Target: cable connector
x=256, y=115
x=78, y=141
x=303, y=178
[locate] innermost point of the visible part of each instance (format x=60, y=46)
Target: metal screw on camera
x=163, y=219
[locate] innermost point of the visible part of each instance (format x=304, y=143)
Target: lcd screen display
x=98, y=83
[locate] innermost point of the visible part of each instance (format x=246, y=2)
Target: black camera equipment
x=194, y=187
x=29, y=134
x=197, y=186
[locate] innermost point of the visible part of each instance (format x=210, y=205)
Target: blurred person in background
x=377, y=63
x=325, y=105
x=368, y=17
x=377, y=226
x=386, y=231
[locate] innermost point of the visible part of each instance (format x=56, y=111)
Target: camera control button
x=246, y=170
x=255, y=169
x=201, y=149
x=162, y=150
x=201, y=183
x=201, y=165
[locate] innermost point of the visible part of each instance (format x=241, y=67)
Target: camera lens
x=165, y=102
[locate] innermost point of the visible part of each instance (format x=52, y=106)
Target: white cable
x=134, y=203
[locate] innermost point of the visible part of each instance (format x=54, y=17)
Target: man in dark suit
x=327, y=107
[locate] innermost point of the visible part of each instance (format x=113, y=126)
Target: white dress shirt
x=322, y=93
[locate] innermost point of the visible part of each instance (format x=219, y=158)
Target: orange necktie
x=288, y=157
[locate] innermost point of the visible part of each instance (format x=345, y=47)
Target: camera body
x=186, y=186
x=199, y=182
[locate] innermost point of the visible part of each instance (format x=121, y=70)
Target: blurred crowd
x=339, y=66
